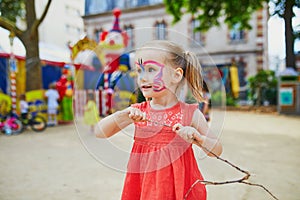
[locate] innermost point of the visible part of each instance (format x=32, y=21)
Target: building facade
x=220, y=46
x=63, y=23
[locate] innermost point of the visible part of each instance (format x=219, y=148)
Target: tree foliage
x=211, y=12
x=263, y=87
x=11, y=10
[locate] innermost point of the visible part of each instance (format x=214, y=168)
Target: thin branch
x=263, y=187
x=7, y=24
x=241, y=180
x=39, y=21
x=45, y=12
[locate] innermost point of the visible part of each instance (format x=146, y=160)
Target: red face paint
x=158, y=83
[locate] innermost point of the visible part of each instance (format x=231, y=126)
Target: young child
x=91, y=113
x=162, y=163
x=205, y=106
x=24, y=107
x=52, y=98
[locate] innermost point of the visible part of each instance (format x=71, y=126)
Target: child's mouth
x=146, y=86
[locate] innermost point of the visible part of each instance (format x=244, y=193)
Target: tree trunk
x=33, y=64
x=289, y=36
x=31, y=41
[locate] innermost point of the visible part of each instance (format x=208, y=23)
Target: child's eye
x=151, y=69
x=139, y=70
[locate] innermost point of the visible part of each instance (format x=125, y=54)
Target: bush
x=217, y=98
x=263, y=87
x=230, y=101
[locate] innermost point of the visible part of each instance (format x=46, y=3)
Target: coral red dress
x=162, y=165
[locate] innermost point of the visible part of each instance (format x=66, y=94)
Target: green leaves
x=174, y=9
x=263, y=86
x=210, y=12
x=11, y=9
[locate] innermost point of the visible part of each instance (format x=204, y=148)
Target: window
x=72, y=11
x=152, y=2
x=196, y=36
x=130, y=34
x=97, y=33
x=72, y=30
x=160, y=30
x=142, y=2
x=100, y=6
x=95, y=6
x=237, y=35
x=67, y=28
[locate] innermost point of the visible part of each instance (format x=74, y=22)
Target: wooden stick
x=241, y=180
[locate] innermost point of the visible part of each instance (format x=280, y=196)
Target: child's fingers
x=198, y=138
x=137, y=115
x=144, y=116
x=187, y=133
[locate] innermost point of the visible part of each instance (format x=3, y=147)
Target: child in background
x=24, y=107
x=162, y=164
x=52, y=98
x=91, y=113
x=205, y=106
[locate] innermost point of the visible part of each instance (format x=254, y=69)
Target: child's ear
x=178, y=74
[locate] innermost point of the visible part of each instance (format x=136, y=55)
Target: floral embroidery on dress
x=157, y=119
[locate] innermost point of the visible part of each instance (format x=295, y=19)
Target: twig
x=263, y=187
x=241, y=180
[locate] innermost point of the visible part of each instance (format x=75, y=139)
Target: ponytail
x=193, y=74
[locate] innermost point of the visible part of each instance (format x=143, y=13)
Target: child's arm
x=45, y=94
x=87, y=107
x=205, y=108
x=199, y=131
x=117, y=121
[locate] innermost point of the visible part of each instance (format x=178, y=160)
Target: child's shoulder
x=189, y=106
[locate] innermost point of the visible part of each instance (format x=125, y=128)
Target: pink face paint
x=158, y=83
x=140, y=63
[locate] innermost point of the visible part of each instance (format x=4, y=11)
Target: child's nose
x=143, y=76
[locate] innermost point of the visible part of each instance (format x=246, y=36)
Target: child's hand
x=136, y=114
x=188, y=133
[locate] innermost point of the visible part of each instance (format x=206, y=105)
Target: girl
x=24, y=107
x=52, y=98
x=91, y=113
x=205, y=106
x=162, y=163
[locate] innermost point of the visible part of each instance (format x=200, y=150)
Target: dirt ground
x=65, y=162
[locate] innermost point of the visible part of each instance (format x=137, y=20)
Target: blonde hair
x=187, y=61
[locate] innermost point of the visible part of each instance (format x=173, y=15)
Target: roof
x=49, y=53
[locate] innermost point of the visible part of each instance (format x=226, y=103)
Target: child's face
x=153, y=74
